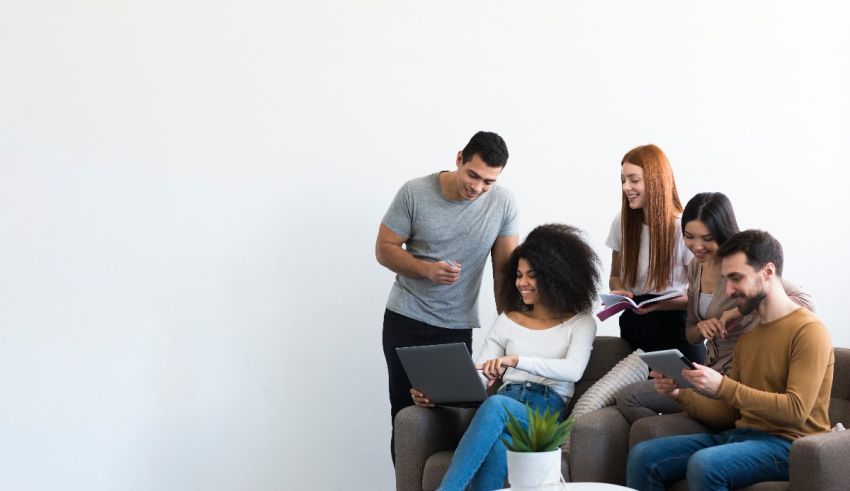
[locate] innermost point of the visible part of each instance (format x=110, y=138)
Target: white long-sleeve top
x=555, y=357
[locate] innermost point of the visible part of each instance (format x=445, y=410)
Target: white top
x=679, y=280
x=704, y=301
x=555, y=357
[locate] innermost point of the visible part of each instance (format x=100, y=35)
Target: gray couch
x=601, y=439
x=425, y=438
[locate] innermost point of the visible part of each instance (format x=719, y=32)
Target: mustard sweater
x=780, y=380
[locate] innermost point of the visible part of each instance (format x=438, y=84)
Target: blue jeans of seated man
x=731, y=459
x=480, y=460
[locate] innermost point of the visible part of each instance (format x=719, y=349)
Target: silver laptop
x=445, y=373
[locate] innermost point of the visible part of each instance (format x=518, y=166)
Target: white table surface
x=578, y=486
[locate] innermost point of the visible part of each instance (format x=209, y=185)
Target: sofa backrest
x=607, y=352
x=839, y=403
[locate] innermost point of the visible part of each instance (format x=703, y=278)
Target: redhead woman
x=649, y=257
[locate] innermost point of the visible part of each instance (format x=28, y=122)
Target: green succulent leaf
x=543, y=432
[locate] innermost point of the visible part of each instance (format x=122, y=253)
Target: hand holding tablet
x=670, y=362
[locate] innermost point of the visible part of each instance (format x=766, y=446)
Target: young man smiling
x=776, y=391
x=436, y=237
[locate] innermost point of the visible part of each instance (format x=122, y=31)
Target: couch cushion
x=435, y=468
x=601, y=394
x=839, y=403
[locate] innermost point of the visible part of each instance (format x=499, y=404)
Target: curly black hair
x=566, y=268
x=489, y=146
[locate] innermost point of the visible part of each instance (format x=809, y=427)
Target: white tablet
x=670, y=362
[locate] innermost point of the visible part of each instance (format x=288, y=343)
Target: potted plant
x=534, y=451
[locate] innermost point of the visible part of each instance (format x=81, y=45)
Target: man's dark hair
x=490, y=147
x=715, y=211
x=759, y=246
x=565, y=266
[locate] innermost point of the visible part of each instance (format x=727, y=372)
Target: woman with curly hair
x=649, y=257
x=539, y=348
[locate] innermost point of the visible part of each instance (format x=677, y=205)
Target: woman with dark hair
x=539, y=348
x=648, y=256
x=713, y=317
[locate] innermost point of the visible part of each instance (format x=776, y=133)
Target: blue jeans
x=480, y=460
x=731, y=459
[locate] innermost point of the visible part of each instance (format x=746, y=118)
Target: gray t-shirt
x=440, y=229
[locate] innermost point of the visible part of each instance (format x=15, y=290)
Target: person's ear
x=769, y=271
x=459, y=158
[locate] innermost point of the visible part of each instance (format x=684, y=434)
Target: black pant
x=401, y=331
x=659, y=330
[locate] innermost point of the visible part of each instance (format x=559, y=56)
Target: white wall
x=189, y=194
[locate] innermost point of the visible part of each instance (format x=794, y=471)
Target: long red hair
x=659, y=213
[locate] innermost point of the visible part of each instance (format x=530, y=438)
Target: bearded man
x=777, y=390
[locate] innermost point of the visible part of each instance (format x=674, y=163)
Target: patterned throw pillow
x=629, y=370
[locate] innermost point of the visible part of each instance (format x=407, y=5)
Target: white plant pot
x=533, y=470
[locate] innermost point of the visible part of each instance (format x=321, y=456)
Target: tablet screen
x=670, y=362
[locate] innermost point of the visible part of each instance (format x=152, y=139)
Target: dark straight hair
x=715, y=211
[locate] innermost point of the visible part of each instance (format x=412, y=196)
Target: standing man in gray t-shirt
x=436, y=236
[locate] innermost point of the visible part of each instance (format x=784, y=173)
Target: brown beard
x=752, y=303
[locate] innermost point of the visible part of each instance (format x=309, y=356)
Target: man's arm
x=711, y=412
x=500, y=253
x=391, y=254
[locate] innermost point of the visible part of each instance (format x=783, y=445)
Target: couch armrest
x=664, y=425
x=421, y=432
x=820, y=461
x=599, y=447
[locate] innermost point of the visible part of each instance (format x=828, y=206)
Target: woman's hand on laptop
x=495, y=368
x=419, y=399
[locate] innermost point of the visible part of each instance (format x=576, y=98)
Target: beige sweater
x=780, y=380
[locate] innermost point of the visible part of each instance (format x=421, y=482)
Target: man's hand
x=390, y=252
x=443, y=273
x=664, y=385
x=706, y=380
x=495, y=368
x=419, y=398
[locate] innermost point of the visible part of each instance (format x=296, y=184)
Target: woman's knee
x=497, y=405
